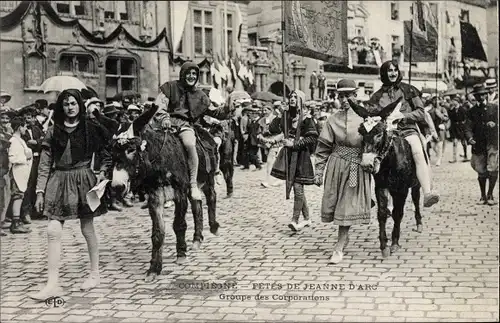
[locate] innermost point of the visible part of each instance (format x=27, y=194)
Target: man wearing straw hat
x=491, y=85
x=482, y=134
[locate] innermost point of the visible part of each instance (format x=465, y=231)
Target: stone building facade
x=377, y=25
x=111, y=46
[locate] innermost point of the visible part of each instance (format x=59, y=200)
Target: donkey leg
x=197, y=209
x=382, y=214
x=397, y=216
x=415, y=196
x=155, y=204
x=211, y=196
x=179, y=225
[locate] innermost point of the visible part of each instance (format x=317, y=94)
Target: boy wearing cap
x=482, y=134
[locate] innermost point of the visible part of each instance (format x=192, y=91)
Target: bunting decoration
x=317, y=29
x=179, y=10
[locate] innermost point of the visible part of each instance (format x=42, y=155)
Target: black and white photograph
x=249, y=161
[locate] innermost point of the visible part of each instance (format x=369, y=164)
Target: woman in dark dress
x=65, y=177
x=302, y=140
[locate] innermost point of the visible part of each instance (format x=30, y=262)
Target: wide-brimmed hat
x=490, y=83
x=346, y=86
x=480, y=89
x=111, y=108
x=92, y=101
x=6, y=96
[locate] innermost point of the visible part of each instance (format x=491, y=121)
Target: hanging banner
x=317, y=29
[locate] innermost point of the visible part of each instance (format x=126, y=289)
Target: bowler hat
x=346, y=86
x=41, y=104
x=92, y=101
x=480, y=89
x=8, y=111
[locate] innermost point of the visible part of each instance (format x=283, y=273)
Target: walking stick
x=285, y=112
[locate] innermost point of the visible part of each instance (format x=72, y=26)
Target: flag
x=179, y=12
x=317, y=29
x=239, y=21
x=215, y=74
x=424, y=35
x=472, y=47
x=250, y=76
x=221, y=69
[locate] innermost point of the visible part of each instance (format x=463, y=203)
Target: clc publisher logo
x=55, y=301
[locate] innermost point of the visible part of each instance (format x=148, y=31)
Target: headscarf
x=384, y=69
x=59, y=115
x=185, y=68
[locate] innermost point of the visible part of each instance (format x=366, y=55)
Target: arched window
x=121, y=75
x=73, y=64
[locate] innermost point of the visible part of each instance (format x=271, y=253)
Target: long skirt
x=344, y=205
x=66, y=195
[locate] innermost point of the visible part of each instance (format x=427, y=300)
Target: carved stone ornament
x=147, y=21
x=52, y=54
x=99, y=19
x=76, y=33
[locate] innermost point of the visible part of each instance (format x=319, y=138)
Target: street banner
x=317, y=29
x=472, y=47
x=421, y=38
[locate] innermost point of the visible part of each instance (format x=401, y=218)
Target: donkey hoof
x=214, y=229
x=196, y=245
x=395, y=248
x=181, y=260
x=386, y=252
x=150, y=277
x=420, y=228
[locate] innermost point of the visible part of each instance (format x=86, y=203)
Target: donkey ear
x=386, y=111
x=359, y=110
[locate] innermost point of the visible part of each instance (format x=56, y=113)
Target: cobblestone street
x=447, y=273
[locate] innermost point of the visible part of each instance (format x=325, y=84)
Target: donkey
x=158, y=161
x=389, y=157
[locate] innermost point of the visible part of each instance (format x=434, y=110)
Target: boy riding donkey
x=181, y=105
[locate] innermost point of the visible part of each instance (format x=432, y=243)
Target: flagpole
x=411, y=44
x=226, y=45
x=437, y=46
x=285, y=113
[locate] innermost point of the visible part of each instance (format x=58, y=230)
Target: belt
x=352, y=155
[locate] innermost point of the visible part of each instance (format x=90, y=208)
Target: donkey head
x=126, y=153
x=377, y=133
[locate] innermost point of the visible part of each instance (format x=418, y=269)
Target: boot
x=127, y=203
x=17, y=226
x=6, y=224
x=2, y=233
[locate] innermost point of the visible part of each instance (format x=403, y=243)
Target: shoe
x=168, y=204
x=336, y=257
x=305, y=223
x=17, y=226
x=245, y=168
x=144, y=206
x=46, y=293
x=294, y=226
x=430, y=199
x=5, y=225
x=92, y=281
x=277, y=183
x=264, y=184
x=26, y=219
x=2, y=233
x=453, y=161
x=195, y=193
x=482, y=201
x=229, y=195
x=127, y=203
x=490, y=201
x=115, y=207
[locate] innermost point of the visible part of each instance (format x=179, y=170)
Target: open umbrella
x=239, y=95
x=266, y=96
x=60, y=83
x=127, y=94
